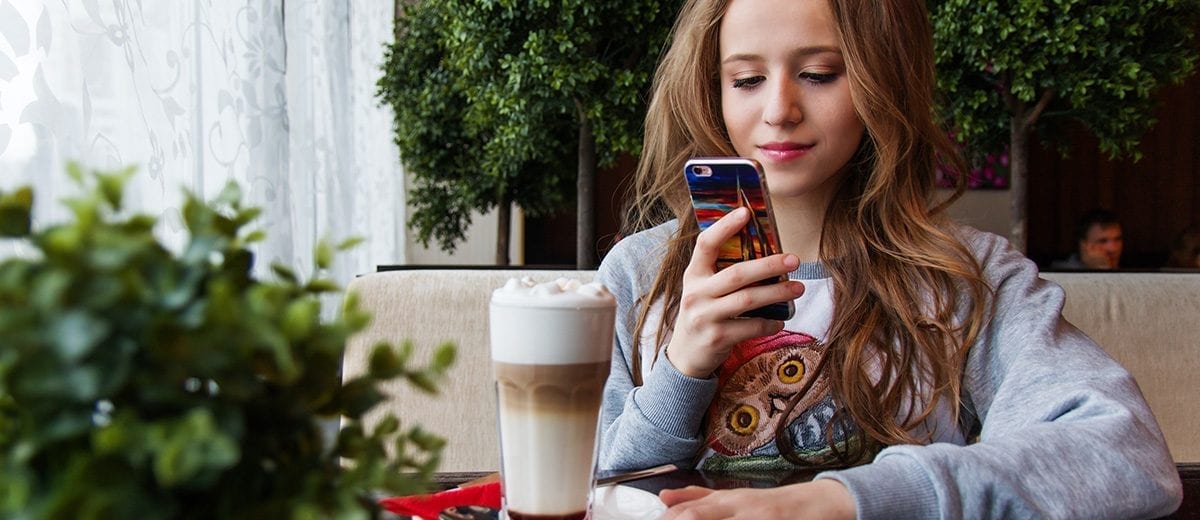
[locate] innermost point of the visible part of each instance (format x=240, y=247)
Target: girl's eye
x=747, y=82
x=818, y=78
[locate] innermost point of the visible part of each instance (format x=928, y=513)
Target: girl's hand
x=817, y=499
x=707, y=326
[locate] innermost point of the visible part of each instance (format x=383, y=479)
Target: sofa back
x=1149, y=322
x=431, y=307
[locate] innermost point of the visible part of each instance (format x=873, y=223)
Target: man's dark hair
x=1095, y=216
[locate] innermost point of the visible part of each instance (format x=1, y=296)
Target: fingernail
x=797, y=288
x=791, y=261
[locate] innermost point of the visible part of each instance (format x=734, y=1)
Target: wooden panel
x=1155, y=198
x=550, y=240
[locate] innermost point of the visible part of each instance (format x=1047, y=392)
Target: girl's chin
x=785, y=183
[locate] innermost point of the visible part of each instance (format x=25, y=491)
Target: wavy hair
x=909, y=297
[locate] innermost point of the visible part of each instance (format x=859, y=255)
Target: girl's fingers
x=746, y=273
x=748, y=328
x=671, y=497
x=708, y=243
x=753, y=297
x=721, y=334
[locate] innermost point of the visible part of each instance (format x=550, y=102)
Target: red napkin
x=430, y=506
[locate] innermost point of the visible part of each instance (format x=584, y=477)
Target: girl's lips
x=783, y=152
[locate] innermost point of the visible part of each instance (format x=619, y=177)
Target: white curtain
x=275, y=95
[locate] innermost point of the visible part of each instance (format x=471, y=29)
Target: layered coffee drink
x=551, y=348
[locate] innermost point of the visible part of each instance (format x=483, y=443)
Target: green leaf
x=323, y=255
x=424, y=382
x=350, y=441
x=426, y=441
x=322, y=285
x=193, y=451
x=254, y=236
x=246, y=216
x=16, y=209
x=230, y=195
x=350, y=243
x=76, y=333
x=112, y=186
x=300, y=319
x=387, y=426
x=444, y=357
x=405, y=351
x=384, y=364
x=358, y=397
x=284, y=272
x=75, y=172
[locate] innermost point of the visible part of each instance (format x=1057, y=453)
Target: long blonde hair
x=899, y=275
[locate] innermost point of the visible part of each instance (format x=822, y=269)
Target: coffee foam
x=560, y=293
x=554, y=323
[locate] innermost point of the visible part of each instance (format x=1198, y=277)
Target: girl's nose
x=783, y=105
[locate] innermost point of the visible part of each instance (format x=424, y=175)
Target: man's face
x=1102, y=247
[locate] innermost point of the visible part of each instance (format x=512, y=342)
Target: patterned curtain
x=275, y=95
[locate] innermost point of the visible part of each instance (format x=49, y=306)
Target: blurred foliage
x=489, y=97
x=138, y=383
x=1099, y=61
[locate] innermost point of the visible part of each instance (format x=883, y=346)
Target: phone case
x=721, y=185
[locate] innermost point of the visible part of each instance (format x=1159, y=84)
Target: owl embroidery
x=757, y=381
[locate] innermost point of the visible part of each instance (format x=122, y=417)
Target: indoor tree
x=494, y=100
x=1010, y=69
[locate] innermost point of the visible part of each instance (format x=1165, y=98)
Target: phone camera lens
x=700, y=170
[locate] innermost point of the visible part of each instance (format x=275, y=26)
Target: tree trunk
x=397, y=10
x=503, y=216
x=1018, y=157
x=585, y=212
x=1024, y=117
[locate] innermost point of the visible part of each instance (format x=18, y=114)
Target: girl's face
x=784, y=94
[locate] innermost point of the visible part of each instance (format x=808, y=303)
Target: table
x=1189, y=473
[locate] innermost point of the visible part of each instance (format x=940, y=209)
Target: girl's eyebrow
x=797, y=53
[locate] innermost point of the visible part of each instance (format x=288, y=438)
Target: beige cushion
x=431, y=307
x=1148, y=322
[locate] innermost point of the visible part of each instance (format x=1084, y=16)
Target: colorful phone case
x=720, y=185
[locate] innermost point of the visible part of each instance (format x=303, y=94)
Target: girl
x=927, y=365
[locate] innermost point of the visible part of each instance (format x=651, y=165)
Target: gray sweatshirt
x=1063, y=430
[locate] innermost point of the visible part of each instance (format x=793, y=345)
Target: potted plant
x=137, y=382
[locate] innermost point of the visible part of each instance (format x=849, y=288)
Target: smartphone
x=719, y=185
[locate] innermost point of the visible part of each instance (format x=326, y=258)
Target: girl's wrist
x=683, y=367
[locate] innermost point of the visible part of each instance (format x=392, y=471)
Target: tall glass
x=551, y=347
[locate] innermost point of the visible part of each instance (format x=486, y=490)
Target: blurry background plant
x=986, y=173
x=1008, y=70
x=495, y=101
x=140, y=383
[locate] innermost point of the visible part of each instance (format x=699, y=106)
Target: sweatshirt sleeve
x=1065, y=431
x=658, y=422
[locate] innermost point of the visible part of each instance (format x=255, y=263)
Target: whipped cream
x=552, y=323
x=560, y=293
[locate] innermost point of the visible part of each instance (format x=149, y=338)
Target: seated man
x=1185, y=250
x=1099, y=242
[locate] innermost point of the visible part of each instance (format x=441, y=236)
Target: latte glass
x=551, y=347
